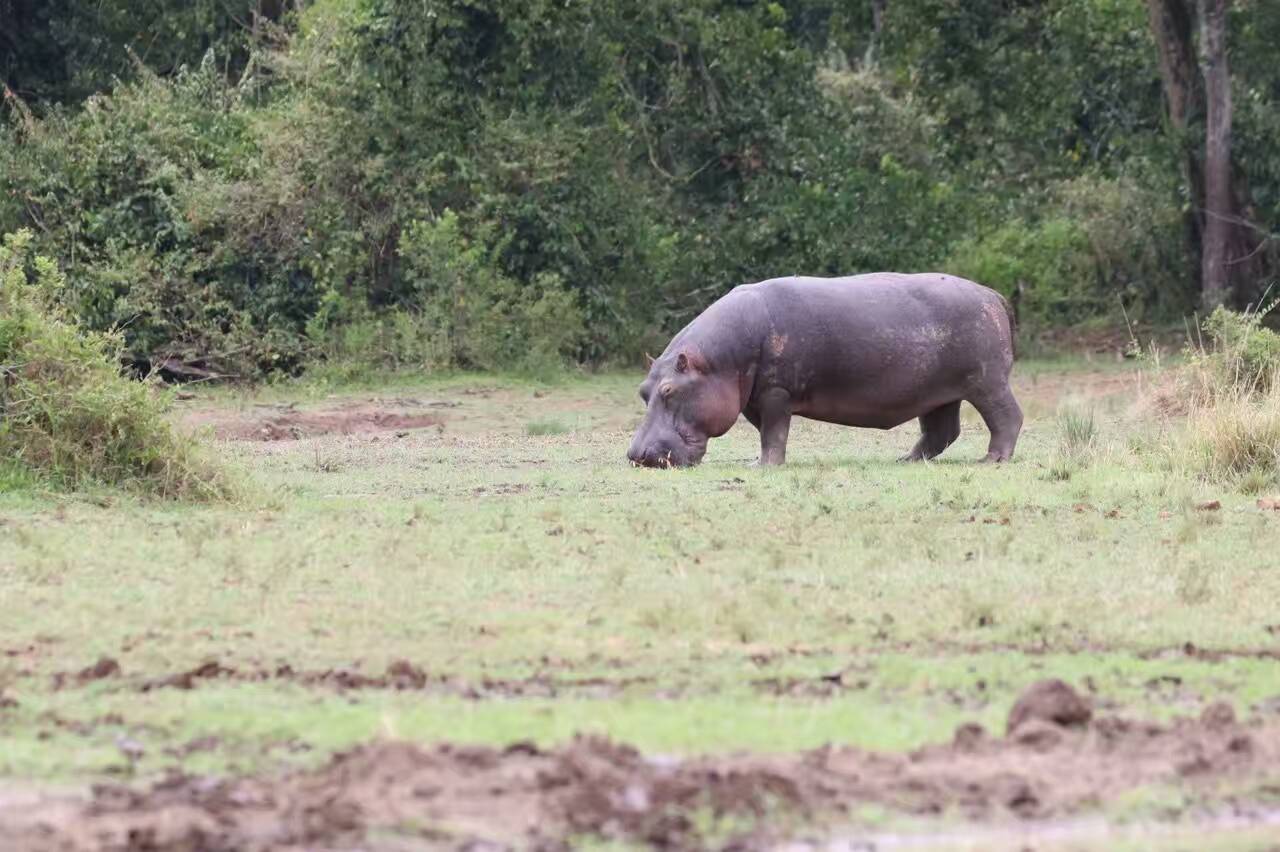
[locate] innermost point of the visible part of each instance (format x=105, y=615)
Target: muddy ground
x=1055, y=758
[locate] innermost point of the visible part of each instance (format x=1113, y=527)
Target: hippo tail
x=1012, y=314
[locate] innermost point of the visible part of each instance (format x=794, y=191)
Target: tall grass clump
x=1231, y=394
x=67, y=415
x=1077, y=442
x=1078, y=433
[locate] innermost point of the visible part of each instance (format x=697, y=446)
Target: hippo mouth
x=688, y=455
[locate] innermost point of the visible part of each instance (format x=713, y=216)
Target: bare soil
x=1056, y=759
x=287, y=423
x=400, y=675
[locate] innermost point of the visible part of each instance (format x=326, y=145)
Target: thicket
x=67, y=415
x=520, y=183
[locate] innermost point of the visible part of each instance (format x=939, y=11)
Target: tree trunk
x=1221, y=217
x=1173, y=26
x=877, y=32
x=1198, y=95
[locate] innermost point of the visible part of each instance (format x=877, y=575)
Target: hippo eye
x=666, y=391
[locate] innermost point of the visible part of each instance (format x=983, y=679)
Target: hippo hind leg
x=1003, y=417
x=938, y=430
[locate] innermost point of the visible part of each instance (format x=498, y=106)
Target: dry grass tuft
x=1230, y=395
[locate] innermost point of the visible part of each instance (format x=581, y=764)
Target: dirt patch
x=527, y=797
x=210, y=670
x=400, y=675
x=287, y=423
x=1111, y=341
x=822, y=686
x=104, y=668
x=1048, y=390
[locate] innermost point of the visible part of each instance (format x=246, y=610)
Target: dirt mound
x=526, y=797
x=1049, y=701
x=286, y=423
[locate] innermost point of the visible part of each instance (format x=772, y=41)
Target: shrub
x=153, y=200
x=66, y=413
x=1232, y=437
x=1245, y=354
x=1094, y=246
x=1045, y=267
x=1231, y=396
x=459, y=311
x=481, y=317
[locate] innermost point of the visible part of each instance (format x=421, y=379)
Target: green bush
x=1098, y=247
x=1046, y=268
x=1231, y=397
x=153, y=201
x=66, y=412
x=483, y=318
x=1245, y=354
x=459, y=311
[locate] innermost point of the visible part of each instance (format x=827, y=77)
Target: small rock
x=1209, y=506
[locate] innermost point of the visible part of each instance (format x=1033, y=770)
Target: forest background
x=260, y=188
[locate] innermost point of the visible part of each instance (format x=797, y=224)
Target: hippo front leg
x=774, y=412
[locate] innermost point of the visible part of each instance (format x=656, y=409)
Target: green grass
x=539, y=428
x=496, y=551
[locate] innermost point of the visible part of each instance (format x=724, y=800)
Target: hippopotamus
x=870, y=350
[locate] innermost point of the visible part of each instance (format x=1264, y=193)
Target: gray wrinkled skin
x=868, y=350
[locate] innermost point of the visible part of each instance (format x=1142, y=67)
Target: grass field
x=478, y=564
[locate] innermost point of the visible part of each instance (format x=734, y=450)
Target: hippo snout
x=663, y=454
x=652, y=456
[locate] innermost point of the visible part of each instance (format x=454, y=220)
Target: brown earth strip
x=400, y=675
x=285, y=423
x=1054, y=761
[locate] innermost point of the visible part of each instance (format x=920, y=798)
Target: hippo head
x=687, y=404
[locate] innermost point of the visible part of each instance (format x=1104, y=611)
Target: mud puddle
x=1056, y=761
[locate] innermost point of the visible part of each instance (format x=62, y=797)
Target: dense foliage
x=67, y=415
x=510, y=183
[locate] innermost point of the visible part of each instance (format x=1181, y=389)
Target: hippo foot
x=994, y=457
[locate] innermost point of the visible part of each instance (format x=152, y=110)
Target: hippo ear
x=648, y=360
x=682, y=363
